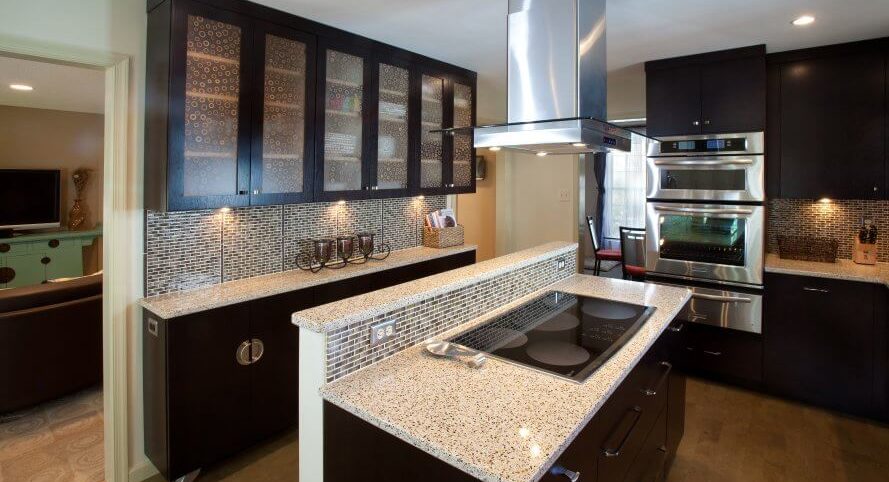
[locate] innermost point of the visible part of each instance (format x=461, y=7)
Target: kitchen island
x=503, y=422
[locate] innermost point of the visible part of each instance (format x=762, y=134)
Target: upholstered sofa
x=50, y=341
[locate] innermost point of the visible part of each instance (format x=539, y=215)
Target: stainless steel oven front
x=725, y=167
x=723, y=307
x=717, y=242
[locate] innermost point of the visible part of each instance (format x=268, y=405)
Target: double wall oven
x=705, y=224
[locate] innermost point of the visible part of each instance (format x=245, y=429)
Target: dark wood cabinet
x=819, y=341
x=720, y=353
x=829, y=122
x=245, y=359
x=717, y=92
x=247, y=105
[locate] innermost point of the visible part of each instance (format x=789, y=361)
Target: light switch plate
x=382, y=332
x=564, y=196
x=560, y=263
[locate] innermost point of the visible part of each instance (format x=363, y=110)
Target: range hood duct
x=556, y=84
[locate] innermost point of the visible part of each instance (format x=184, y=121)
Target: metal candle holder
x=342, y=249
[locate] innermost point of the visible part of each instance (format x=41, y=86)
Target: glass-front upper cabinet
x=463, y=158
x=343, y=123
x=389, y=171
x=432, y=117
x=282, y=153
x=209, y=145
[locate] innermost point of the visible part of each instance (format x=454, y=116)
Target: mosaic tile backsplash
x=348, y=348
x=191, y=249
x=839, y=219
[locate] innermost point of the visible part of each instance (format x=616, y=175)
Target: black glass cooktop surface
x=560, y=333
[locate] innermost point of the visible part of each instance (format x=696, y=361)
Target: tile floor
x=58, y=441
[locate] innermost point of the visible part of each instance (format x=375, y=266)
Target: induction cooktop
x=560, y=333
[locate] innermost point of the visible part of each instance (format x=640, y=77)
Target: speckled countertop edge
x=843, y=269
x=187, y=302
x=331, y=316
x=414, y=380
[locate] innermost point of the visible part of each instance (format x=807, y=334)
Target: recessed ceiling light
x=494, y=149
x=578, y=144
x=20, y=87
x=803, y=20
x=541, y=154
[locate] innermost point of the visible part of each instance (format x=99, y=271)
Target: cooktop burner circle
x=559, y=322
x=516, y=338
x=557, y=353
x=605, y=310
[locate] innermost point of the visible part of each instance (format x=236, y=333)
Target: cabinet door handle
x=242, y=193
x=815, y=290
x=45, y=260
x=257, y=349
x=696, y=123
x=677, y=328
x=712, y=353
x=635, y=413
x=706, y=122
x=255, y=192
x=668, y=367
x=572, y=475
x=242, y=354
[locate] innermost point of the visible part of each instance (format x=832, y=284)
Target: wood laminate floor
x=58, y=441
x=733, y=434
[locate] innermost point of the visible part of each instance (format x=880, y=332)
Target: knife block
x=864, y=253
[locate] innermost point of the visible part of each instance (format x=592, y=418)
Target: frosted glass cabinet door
x=463, y=152
x=343, y=122
x=392, y=137
x=431, y=144
x=280, y=154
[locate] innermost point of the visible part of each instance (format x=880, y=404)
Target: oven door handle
x=672, y=209
x=724, y=299
x=703, y=162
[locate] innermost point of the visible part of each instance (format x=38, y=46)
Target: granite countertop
x=503, y=422
x=331, y=316
x=844, y=269
x=232, y=292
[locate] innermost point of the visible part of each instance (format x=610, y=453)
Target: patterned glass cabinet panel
x=393, y=128
x=344, y=126
x=432, y=144
x=463, y=151
x=282, y=158
x=210, y=135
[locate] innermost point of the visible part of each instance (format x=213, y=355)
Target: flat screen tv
x=29, y=199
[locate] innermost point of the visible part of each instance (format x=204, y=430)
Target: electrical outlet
x=382, y=332
x=564, y=196
x=560, y=263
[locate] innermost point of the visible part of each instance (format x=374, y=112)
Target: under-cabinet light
x=21, y=87
x=803, y=20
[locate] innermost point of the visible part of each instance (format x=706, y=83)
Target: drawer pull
x=724, y=299
x=635, y=413
x=53, y=243
x=668, y=367
x=570, y=474
x=4, y=248
x=714, y=353
x=677, y=328
x=815, y=290
x=242, y=354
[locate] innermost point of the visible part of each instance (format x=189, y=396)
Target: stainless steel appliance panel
x=706, y=241
x=697, y=145
x=723, y=308
x=706, y=178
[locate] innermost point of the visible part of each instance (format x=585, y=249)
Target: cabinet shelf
x=210, y=155
x=212, y=58
x=342, y=159
x=399, y=120
x=344, y=83
x=391, y=161
x=279, y=70
x=220, y=97
x=395, y=93
x=342, y=113
x=282, y=156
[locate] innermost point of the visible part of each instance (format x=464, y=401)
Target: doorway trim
x=119, y=273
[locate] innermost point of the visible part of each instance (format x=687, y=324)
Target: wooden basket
x=442, y=237
x=806, y=248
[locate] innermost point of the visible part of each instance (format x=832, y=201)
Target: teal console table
x=35, y=258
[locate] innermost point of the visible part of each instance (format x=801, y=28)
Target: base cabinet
x=720, y=353
x=219, y=381
x=630, y=439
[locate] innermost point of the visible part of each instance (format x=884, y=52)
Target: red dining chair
x=632, y=247
x=600, y=254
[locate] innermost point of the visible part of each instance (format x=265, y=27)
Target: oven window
x=704, y=179
x=702, y=239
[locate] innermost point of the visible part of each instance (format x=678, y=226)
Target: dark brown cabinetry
x=244, y=359
x=717, y=92
x=632, y=438
x=827, y=118
x=819, y=341
x=721, y=353
x=247, y=105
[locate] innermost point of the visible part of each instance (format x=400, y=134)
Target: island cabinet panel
x=827, y=115
x=712, y=93
x=721, y=353
x=819, y=339
x=219, y=381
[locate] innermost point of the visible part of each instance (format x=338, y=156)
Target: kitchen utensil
x=449, y=350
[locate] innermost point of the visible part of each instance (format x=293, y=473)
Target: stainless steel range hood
x=556, y=93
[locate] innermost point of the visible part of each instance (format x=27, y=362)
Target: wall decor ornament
x=77, y=214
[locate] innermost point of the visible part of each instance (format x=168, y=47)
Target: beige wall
x=106, y=26
x=626, y=92
x=478, y=213
x=52, y=139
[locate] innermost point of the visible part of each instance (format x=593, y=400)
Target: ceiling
x=58, y=87
x=472, y=33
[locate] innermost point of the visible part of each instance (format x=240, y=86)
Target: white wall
x=116, y=26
